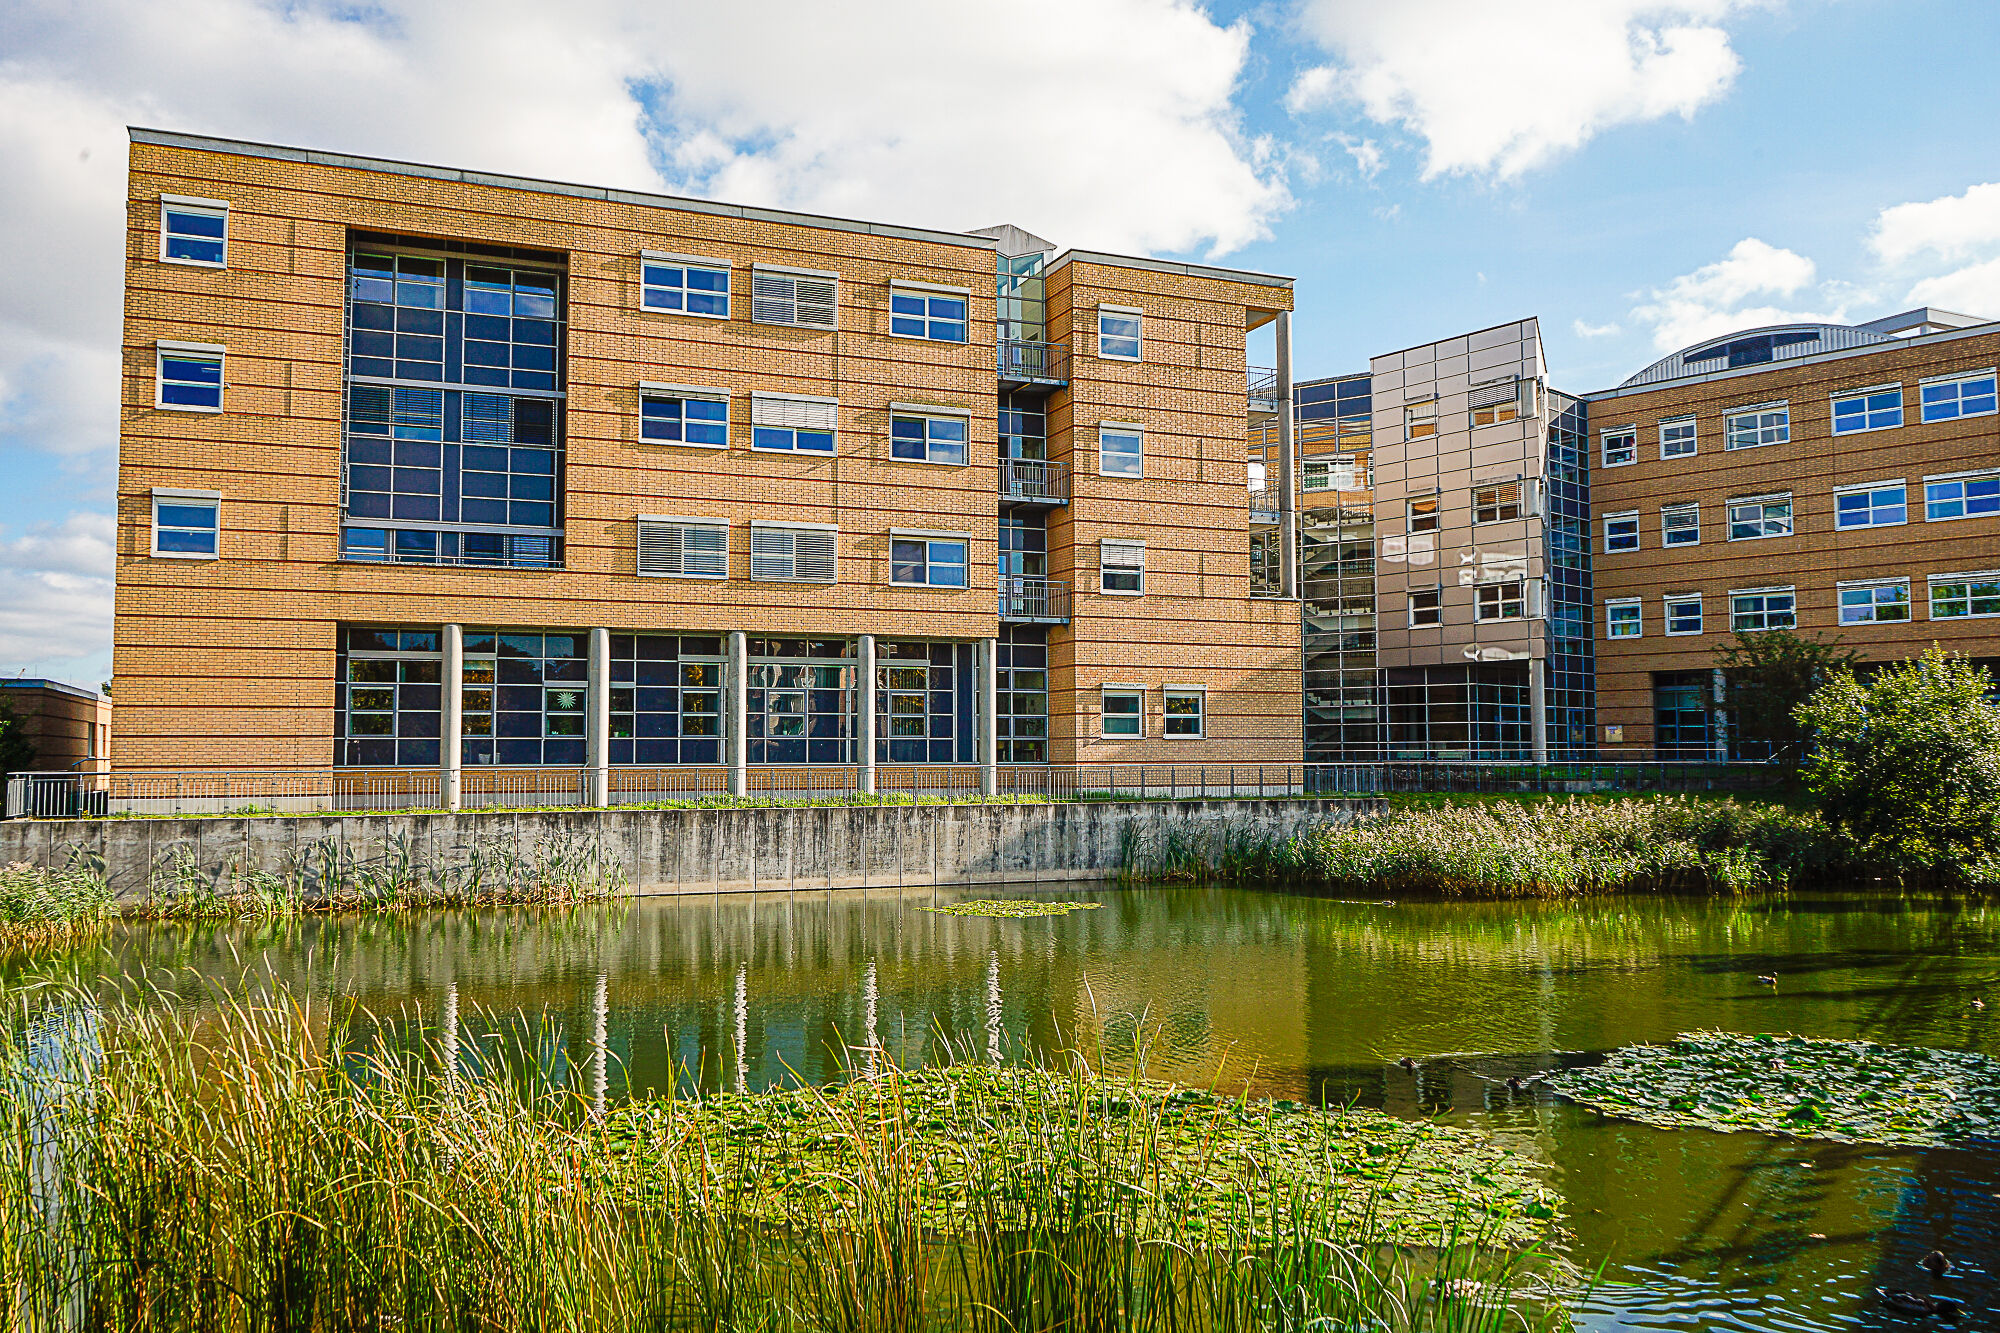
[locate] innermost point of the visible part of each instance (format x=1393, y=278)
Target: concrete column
x=739, y=714
x=1288, y=511
x=451, y=734
x=597, y=718
x=865, y=732
x=1719, y=741
x=1538, y=707
x=988, y=658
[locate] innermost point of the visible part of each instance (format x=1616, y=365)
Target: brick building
x=430, y=470
x=69, y=727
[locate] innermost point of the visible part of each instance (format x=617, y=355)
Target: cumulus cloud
x=56, y=615
x=1717, y=298
x=1502, y=89
x=1587, y=330
x=1959, y=233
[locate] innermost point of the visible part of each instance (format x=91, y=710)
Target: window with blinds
x=802, y=298
x=683, y=548
x=1122, y=566
x=794, y=554
x=793, y=424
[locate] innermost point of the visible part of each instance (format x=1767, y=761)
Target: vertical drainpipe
x=451, y=735
x=866, y=695
x=1538, y=707
x=989, y=716
x=1288, y=515
x=739, y=715
x=597, y=721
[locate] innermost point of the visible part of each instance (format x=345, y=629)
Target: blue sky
x=1639, y=173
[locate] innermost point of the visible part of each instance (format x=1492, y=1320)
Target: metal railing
x=1261, y=383
x=1263, y=502
x=1045, y=600
x=512, y=550
x=1034, y=481
x=1024, y=362
x=359, y=791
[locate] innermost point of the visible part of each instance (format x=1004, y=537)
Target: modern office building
x=429, y=470
x=1843, y=480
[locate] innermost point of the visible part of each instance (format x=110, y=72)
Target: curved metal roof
x=1752, y=347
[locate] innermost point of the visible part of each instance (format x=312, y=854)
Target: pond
x=1287, y=995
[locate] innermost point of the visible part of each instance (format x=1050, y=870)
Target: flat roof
x=1788, y=363
x=1169, y=266
x=35, y=683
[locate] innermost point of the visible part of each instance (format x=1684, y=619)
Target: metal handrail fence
x=1022, y=359
x=1034, y=480
x=71, y=795
x=1033, y=599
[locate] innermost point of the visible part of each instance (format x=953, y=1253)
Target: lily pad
x=1798, y=1087
x=1010, y=907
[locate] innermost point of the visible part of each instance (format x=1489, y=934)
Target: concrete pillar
x=451, y=734
x=1538, y=707
x=1288, y=511
x=739, y=714
x=988, y=659
x=1719, y=740
x=865, y=733
x=597, y=718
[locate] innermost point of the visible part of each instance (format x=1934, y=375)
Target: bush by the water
x=1503, y=849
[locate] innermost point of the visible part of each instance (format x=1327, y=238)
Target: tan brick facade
x=230, y=663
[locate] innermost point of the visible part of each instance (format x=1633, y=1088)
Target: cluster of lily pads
x=1009, y=907
x=1803, y=1087
x=969, y=1143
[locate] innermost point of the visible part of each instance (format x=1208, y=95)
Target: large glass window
x=194, y=233
x=1121, y=451
x=923, y=702
x=1760, y=516
x=1972, y=496
x=685, y=286
x=1680, y=714
x=1119, y=334
x=1758, y=426
x=1755, y=609
x=1869, y=507
x=1965, y=596
x=928, y=439
x=679, y=419
x=1875, y=603
x=666, y=699
x=539, y=695
x=1023, y=703
x=388, y=697
x=801, y=700
x=1948, y=400
x=190, y=378
x=1870, y=409
x=937, y=562
x=920, y=314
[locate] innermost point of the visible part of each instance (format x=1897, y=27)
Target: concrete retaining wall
x=667, y=851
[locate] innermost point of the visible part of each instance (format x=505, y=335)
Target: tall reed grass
x=252, y=1170
x=1515, y=849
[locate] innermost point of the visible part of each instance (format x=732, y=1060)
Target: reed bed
x=45, y=906
x=1515, y=849
x=252, y=1170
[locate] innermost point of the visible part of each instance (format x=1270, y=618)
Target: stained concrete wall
x=669, y=851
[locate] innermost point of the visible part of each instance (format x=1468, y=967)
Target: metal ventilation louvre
x=794, y=555
x=683, y=549
x=798, y=299
x=802, y=413
x=1492, y=395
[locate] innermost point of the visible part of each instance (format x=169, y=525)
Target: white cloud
x=1504, y=88
x=1959, y=231
x=56, y=616
x=1584, y=330
x=1367, y=155
x=1712, y=299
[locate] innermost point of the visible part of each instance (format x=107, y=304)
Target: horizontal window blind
x=684, y=550
x=1492, y=395
x=801, y=413
x=783, y=298
x=795, y=555
x=1122, y=555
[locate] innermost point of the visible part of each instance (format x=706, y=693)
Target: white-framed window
x=926, y=310
x=1757, y=516
x=1874, y=602
x=1492, y=404
x=1752, y=427
x=1624, y=618
x=190, y=376
x=683, y=414
x=1680, y=525
x=685, y=285
x=928, y=559
x=194, y=231
x=1120, y=332
x=1753, y=609
x=1677, y=437
x=1121, y=449
x=1619, y=445
x=794, y=552
x=1121, y=566
x=790, y=423
x=1965, y=596
x=1421, y=514
x=1342, y=472
x=1500, y=601
x=1960, y=396
x=672, y=546
x=1877, y=505
x=1857, y=410
x=1683, y=613
x=1496, y=503
x=1426, y=607
x=806, y=298
x=187, y=525
x=1123, y=711
x=1961, y=495
x=1420, y=420
x=1184, y=712
x=920, y=434
x=1621, y=531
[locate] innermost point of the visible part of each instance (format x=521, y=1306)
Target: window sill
x=929, y=462
x=1627, y=463
x=183, y=407
x=1682, y=634
x=926, y=338
x=698, y=578
x=932, y=587
x=1761, y=444
x=1766, y=537
x=183, y=555
x=789, y=453
x=1863, y=527
x=1863, y=430
x=1674, y=458
x=1121, y=476
x=681, y=314
x=1620, y=550
x=787, y=324
x=694, y=444
x=1128, y=360
x=1675, y=546
x=194, y=263
x=1957, y=518
x=1122, y=592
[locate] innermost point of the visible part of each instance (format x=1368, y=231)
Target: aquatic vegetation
x=1503, y=849
x=40, y=905
x=1802, y=1087
x=1010, y=907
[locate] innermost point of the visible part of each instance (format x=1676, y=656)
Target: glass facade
x=1343, y=713
x=1459, y=712
x=1023, y=703
x=1682, y=724
x=1571, y=689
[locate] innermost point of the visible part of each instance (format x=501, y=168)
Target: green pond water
x=1288, y=995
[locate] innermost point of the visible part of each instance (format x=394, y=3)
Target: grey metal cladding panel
x=1169, y=266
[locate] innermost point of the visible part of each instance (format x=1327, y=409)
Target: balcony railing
x=1034, y=481
x=478, y=550
x=1261, y=382
x=1022, y=362
x=1045, y=601
x=1263, y=503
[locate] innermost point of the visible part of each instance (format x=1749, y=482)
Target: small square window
x=1760, y=426
x=1966, y=597
x=1683, y=615
x=1121, y=566
x=1949, y=400
x=1677, y=438
x=187, y=524
x=1495, y=404
x=1623, y=620
x=1875, y=604
x=190, y=377
x=928, y=439
x=1620, y=446
x=1420, y=420
x=194, y=232
x=1121, y=451
x=1962, y=497
x=935, y=562
x=1119, y=334
x=1871, y=409
x=1496, y=504
x=1124, y=712
x=1500, y=601
x=665, y=419
x=1183, y=714
x=677, y=285
x=1422, y=514
x=1621, y=532
x=1762, y=609
x=1760, y=517
x=1426, y=607
x=1874, y=507
x=919, y=314
x=1680, y=525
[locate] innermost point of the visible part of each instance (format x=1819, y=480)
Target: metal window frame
x=1845, y=585
x=1603, y=453
x=194, y=204
x=1197, y=692
x=1122, y=428
x=1672, y=599
x=1835, y=398
x=727, y=266
x=1729, y=518
x=1693, y=423
x=1605, y=531
x=682, y=521
x=1104, y=692
x=657, y=389
x=1138, y=314
x=1638, y=624
x=163, y=348
x=1138, y=567
x=1684, y=507
x=172, y=494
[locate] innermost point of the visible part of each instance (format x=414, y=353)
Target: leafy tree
x=1770, y=673
x=1907, y=763
x=16, y=754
